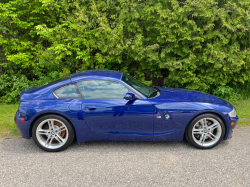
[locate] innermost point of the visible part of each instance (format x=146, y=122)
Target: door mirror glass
x=129, y=96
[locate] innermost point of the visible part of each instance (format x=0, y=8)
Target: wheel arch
x=208, y=112
x=45, y=114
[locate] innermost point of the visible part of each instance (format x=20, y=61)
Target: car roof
x=99, y=73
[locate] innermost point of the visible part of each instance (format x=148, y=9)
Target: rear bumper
x=23, y=127
x=229, y=129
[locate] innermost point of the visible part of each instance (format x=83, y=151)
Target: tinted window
x=139, y=86
x=101, y=89
x=69, y=91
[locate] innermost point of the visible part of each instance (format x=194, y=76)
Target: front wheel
x=52, y=133
x=205, y=131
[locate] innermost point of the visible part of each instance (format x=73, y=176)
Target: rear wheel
x=52, y=133
x=205, y=131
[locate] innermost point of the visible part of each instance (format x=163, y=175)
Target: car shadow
x=24, y=146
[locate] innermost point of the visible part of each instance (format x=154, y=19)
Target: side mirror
x=129, y=96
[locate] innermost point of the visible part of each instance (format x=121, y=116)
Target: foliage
x=11, y=86
x=243, y=90
x=196, y=44
x=227, y=93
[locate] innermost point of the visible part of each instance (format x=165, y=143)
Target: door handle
x=90, y=107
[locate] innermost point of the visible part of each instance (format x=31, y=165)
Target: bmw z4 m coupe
x=104, y=105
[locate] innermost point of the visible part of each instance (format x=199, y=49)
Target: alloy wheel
x=52, y=133
x=206, y=132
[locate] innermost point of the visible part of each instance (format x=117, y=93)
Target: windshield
x=139, y=86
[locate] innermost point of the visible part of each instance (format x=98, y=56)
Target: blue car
x=104, y=105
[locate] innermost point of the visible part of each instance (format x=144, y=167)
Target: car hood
x=184, y=95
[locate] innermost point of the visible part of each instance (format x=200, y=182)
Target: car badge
x=158, y=116
x=167, y=116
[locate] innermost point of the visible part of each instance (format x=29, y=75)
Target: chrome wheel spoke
x=59, y=139
x=49, y=141
x=212, y=136
x=198, y=131
x=201, y=138
x=213, y=126
x=60, y=129
x=204, y=138
x=51, y=124
x=203, y=123
x=43, y=131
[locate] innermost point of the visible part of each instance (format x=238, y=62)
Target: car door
x=106, y=111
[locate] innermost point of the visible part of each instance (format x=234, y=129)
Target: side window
x=102, y=89
x=69, y=91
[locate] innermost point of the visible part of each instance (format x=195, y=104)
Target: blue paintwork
x=119, y=116
x=120, y=119
x=129, y=96
x=184, y=95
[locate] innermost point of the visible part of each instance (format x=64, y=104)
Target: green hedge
x=196, y=44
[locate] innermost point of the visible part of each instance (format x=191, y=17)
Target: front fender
x=182, y=113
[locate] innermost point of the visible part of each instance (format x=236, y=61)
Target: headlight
x=232, y=114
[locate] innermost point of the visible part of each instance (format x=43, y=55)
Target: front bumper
x=229, y=127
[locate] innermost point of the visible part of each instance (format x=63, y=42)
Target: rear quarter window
x=69, y=91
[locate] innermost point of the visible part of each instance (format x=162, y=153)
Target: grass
x=8, y=128
x=243, y=112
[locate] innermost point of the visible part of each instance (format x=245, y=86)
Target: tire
x=52, y=133
x=205, y=131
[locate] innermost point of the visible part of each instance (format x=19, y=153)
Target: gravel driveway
x=127, y=164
